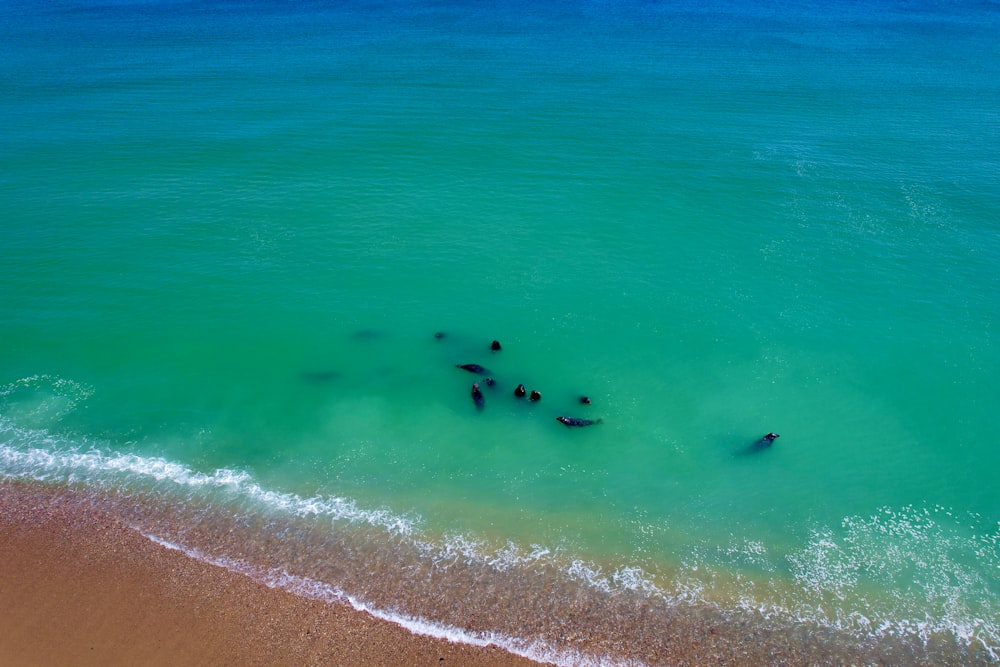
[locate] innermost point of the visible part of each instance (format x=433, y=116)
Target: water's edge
x=538, y=604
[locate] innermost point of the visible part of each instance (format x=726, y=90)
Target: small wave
x=317, y=590
x=41, y=400
x=933, y=561
x=50, y=458
x=39, y=455
x=831, y=572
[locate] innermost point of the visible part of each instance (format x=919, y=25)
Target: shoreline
x=82, y=584
x=79, y=586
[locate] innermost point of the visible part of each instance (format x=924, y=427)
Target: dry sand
x=79, y=587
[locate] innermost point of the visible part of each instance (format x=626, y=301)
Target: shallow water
x=232, y=231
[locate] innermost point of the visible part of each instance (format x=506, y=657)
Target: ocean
x=246, y=245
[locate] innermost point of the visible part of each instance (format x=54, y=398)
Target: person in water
x=520, y=391
x=535, y=395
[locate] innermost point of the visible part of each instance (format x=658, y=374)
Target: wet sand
x=79, y=587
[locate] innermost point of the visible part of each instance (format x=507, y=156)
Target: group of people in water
x=519, y=392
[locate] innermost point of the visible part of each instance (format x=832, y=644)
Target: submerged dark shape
x=477, y=396
x=495, y=346
x=576, y=421
x=585, y=400
x=489, y=382
x=440, y=334
x=535, y=395
x=366, y=334
x=472, y=368
x=764, y=442
x=520, y=391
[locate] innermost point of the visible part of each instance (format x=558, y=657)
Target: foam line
x=60, y=462
x=827, y=568
x=57, y=461
x=316, y=590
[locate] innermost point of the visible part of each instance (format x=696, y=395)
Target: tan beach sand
x=78, y=587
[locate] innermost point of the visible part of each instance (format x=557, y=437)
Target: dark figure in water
x=472, y=368
x=440, y=334
x=520, y=391
x=576, y=421
x=535, y=395
x=585, y=400
x=477, y=396
x=489, y=382
x=764, y=442
x=495, y=346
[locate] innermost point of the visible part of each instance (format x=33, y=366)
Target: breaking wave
x=866, y=578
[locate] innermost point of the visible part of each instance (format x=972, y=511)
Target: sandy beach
x=79, y=587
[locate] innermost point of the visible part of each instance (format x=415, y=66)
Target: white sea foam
x=922, y=557
x=317, y=590
x=36, y=454
x=910, y=572
x=831, y=568
x=44, y=399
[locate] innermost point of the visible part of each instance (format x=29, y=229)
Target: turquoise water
x=231, y=231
